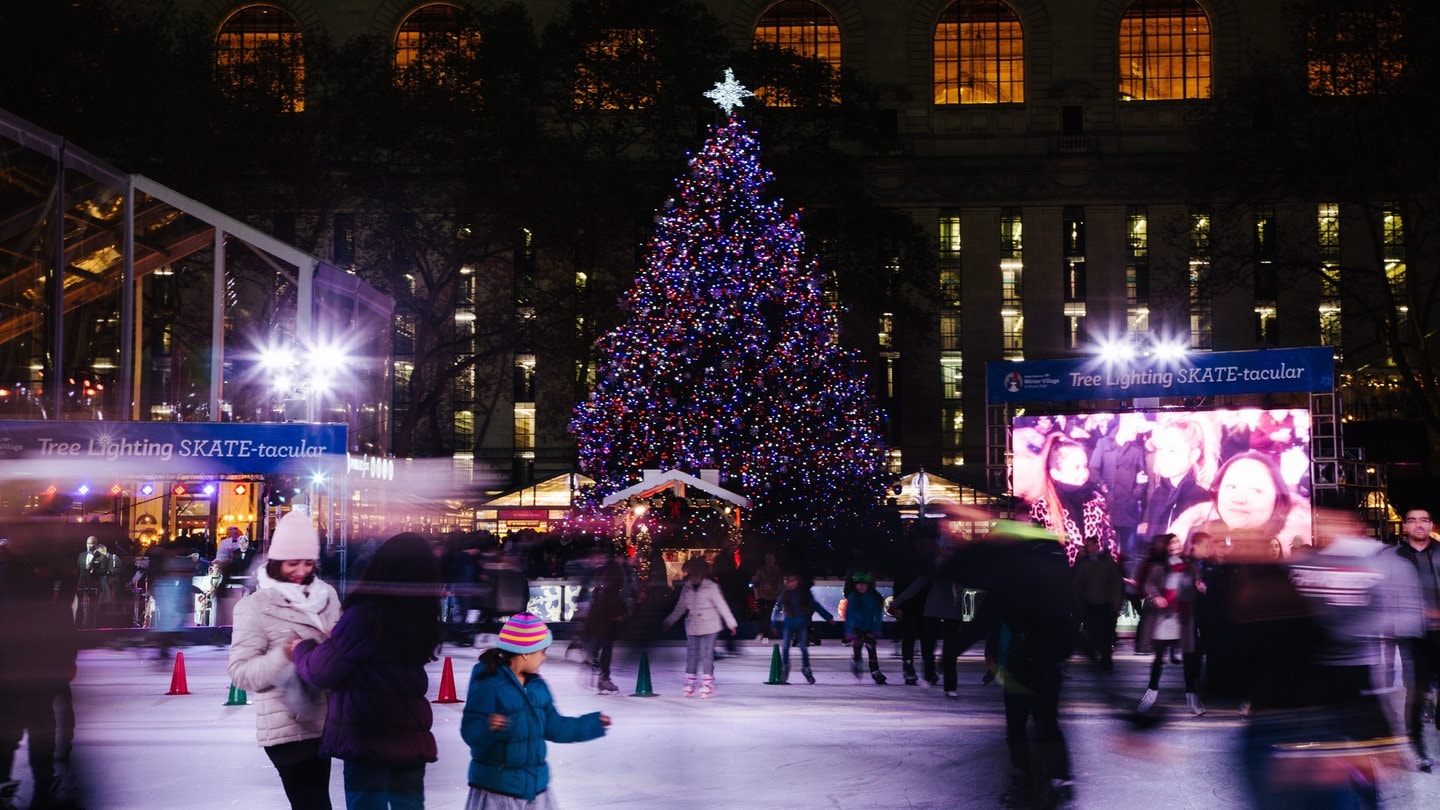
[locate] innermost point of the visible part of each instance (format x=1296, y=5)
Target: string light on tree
x=729, y=355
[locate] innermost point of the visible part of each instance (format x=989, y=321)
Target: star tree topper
x=729, y=94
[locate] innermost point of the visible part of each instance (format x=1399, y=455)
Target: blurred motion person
x=1306, y=632
x=1170, y=590
x=38, y=645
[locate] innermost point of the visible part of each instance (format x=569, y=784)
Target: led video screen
x=1127, y=477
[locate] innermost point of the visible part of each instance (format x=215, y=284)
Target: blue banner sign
x=1310, y=369
x=170, y=448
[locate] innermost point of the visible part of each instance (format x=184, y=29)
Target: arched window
x=1355, y=49
x=802, y=26
x=434, y=45
x=979, y=54
x=1164, y=51
x=260, y=59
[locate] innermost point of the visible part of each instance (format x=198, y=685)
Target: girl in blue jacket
x=509, y=715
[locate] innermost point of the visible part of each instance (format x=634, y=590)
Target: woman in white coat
x=291, y=603
x=705, y=612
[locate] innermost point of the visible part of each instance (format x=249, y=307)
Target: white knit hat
x=295, y=538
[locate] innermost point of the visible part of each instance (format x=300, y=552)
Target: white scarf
x=308, y=600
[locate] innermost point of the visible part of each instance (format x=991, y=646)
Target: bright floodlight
x=276, y=358
x=1170, y=350
x=1113, y=351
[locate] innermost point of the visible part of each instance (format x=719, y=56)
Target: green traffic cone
x=237, y=697
x=775, y=677
x=642, y=681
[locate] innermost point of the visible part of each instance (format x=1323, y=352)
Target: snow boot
x=809, y=676
x=707, y=686
x=878, y=676
x=689, y=689
x=910, y=677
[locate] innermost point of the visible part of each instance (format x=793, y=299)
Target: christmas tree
x=729, y=356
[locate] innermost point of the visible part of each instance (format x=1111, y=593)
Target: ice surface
x=842, y=743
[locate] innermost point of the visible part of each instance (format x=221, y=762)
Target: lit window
x=618, y=71
x=1327, y=220
x=1202, y=306
x=804, y=27
x=433, y=45
x=1137, y=271
x=260, y=59
x=1355, y=49
x=1012, y=265
x=1164, y=51
x=950, y=264
x=979, y=54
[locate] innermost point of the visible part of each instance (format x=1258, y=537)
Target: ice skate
x=855, y=668
x=689, y=690
x=1193, y=701
x=809, y=676
x=878, y=676
x=910, y=677
x=608, y=687
x=707, y=686
x=1147, y=700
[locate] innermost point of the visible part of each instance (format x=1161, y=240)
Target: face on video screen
x=1244, y=468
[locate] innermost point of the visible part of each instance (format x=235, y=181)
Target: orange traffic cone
x=177, y=678
x=447, y=684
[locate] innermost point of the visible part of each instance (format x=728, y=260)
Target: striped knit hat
x=524, y=633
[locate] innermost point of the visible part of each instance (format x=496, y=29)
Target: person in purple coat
x=373, y=665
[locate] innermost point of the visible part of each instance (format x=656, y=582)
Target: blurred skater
x=38, y=645
x=1027, y=577
x=611, y=601
x=1170, y=590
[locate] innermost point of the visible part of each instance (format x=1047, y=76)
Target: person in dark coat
x=373, y=664
x=1028, y=582
x=610, y=603
x=38, y=645
x=1099, y=594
